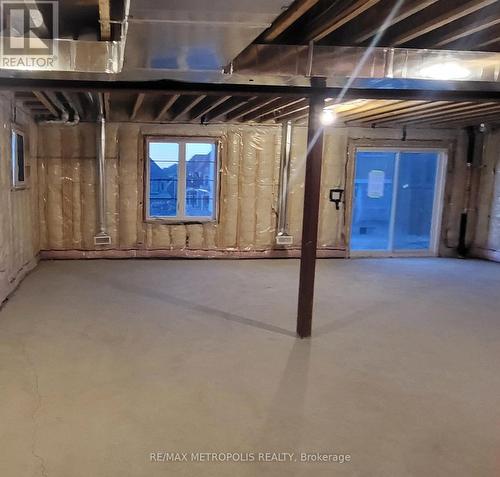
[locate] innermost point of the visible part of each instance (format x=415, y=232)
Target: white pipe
x=286, y=147
x=64, y=115
x=101, y=171
x=76, y=116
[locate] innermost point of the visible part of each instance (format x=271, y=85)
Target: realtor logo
x=28, y=31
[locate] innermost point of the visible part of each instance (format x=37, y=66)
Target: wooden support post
x=312, y=186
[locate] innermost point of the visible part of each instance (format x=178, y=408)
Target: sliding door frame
x=443, y=152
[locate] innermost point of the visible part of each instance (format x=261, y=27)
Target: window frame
x=16, y=183
x=181, y=183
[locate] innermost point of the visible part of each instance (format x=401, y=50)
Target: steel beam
x=312, y=187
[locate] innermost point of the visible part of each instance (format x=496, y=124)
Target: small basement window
x=181, y=182
x=18, y=160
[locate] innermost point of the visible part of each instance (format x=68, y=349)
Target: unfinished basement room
x=250, y=238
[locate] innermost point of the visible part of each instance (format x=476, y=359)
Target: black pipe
x=462, y=248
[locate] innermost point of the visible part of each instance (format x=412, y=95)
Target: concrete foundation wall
x=249, y=184
x=19, y=231
x=487, y=231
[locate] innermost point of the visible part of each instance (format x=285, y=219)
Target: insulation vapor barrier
x=487, y=235
x=247, y=196
x=18, y=213
x=248, y=191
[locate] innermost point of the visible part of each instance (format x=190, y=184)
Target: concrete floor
x=104, y=362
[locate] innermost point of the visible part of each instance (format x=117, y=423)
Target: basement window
x=181, y=179
x=18, y=160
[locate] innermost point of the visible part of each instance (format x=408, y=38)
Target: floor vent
x=102, y=239
x=284, y=240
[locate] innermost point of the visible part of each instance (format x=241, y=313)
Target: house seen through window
x=182, y=179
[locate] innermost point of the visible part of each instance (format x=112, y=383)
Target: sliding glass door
x=396, y=201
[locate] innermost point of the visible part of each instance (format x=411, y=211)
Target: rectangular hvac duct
x=194, y=35
x=371, y=67
x=71, y=56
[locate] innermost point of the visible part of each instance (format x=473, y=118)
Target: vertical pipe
x=312, y=186
x=101, y=172
x=462, y=237
x=286, y=147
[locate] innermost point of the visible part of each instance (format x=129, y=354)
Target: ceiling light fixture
x=445, y=71
x=327, y=117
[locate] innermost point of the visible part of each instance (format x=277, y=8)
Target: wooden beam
x=207, y=105
x=270, y=108
x=369, y=106
x=369, y=110
x=482, y=111
x=294, y=108
x=107, y=106
x=419, y=29
x=137, y=105
x=323, y=27
x=312, y=187
x=104, y=20
x=406, y=107
x=482, y=40
x=429, y=119
x=407, y=10
x=46, y=102
x=250, y=107
x=227, y=107
x=188, y=103
x=77, y=103
x=489, y=42
x=469, y=119
x=168, y=104
x=23, y=96
x=449, y=108
x=296, y=115
x=468, y=29
x=287, y=19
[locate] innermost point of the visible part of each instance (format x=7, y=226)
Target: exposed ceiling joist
x=475, y=40
x=454, y=107
x=287, y=18
x=363, y=107
x=480, y=112
x=409, y=107
x=207, y=105
x=296, y=115
x=430, y=112
x=419, y=29
x=46, y=102
x=467, y=30
x=469, y=119
x=168, y=104
x=107, y=105
x=184, y=105
x=271, y=108
x=31, y=103
x=369, y=110
x=333, y=19
x=407, y=10
x=250, y=107
x=137, y=105
x=22, y=96
x=292, y=108
x=77, y=103
x=227, y=107
x=104, y=19
x=487, y=43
